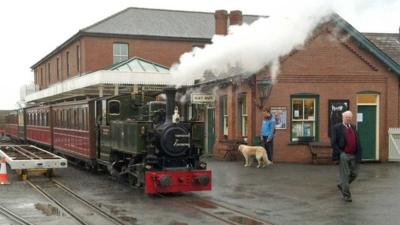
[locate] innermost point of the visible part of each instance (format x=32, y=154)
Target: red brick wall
x=332, y=70
x=97, y=53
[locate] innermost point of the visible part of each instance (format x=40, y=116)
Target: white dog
x=259, y=152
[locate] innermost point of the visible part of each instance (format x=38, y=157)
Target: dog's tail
x=265, y=158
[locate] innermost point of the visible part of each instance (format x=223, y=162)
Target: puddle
x=177, y=223
x=48, y=209
x=222, y=213
x=206, y=205
x=244, y=220
x=130, y=220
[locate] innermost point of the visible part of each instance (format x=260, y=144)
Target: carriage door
x=367, y=123
x=210, y=130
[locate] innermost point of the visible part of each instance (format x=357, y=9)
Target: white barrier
x=394, y=144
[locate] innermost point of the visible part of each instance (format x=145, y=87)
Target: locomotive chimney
x=169, y=109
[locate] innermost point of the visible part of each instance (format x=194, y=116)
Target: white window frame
x=118, y=53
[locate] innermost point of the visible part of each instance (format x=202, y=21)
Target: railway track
x=224, y=212
x=14, y=217
x=221, y=212
x=80, y=209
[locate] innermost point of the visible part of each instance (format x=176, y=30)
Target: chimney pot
x=235, y=17
x=221, y=22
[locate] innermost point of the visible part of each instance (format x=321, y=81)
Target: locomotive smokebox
x=170, y=92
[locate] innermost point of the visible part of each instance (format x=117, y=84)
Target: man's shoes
x=347, y=199
x=340, y=188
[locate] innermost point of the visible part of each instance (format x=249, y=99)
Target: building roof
x=380, y=53
x=155, y=23
x=160, y=23
x=137, y=64
x=388, y=42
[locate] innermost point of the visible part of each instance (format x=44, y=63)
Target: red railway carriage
x=39, y=125
x=15, y=125
x=11, y=128
x=74, y=130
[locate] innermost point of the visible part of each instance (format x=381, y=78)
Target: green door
x=210, y=130
x=367, y=131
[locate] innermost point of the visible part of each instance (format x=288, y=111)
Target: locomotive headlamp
x=203, y=165
x=148, y=166
x=142, y=130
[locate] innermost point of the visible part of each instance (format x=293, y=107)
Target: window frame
x=315, y=121
x=243, y=115
x=224, y=116
x=68, y=63
x=118, y=55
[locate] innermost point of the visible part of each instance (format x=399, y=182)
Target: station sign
x=201, y=98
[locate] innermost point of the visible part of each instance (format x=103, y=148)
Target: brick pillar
x=221, y=22
x=235, y=17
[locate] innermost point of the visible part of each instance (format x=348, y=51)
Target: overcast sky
x=32, y=29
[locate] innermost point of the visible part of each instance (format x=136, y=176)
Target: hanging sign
x=201, y=98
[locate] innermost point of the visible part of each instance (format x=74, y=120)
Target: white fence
x=394, y=144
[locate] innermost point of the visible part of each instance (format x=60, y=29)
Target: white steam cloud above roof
x=248, y=48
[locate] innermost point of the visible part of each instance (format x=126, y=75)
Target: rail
x=11, y=215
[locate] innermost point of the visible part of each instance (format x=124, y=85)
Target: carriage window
x=114, y=107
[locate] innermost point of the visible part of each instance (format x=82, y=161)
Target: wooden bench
x=320, y=151
x=231, y=148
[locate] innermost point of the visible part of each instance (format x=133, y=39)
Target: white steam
x=248, y=48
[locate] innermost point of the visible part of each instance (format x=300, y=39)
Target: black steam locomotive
x=134, y=137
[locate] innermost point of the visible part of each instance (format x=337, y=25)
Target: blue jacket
x=268, y=127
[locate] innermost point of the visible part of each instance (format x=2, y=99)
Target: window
x=48, y=73
x=41, y=76
x=243, y=114
x=68, y=70
x=120, y=52
x=304, y=118
x=224, y=114
x=78, y=58
x=58, y=68
x=114, y=107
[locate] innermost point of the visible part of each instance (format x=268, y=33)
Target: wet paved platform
x=294, y=194
x=284, y=194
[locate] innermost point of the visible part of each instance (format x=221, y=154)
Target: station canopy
x=130, y=76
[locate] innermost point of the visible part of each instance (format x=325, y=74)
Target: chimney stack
x=235, y=17
x=221, y=22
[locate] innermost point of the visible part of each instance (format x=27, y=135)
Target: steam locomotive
x=133, y=137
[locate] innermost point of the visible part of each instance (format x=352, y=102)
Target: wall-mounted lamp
x=264, y=87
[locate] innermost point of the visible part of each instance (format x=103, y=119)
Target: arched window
x=114, y=107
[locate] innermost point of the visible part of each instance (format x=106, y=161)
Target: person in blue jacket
x=268, y=132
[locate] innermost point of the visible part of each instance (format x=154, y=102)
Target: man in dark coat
x=347, y=150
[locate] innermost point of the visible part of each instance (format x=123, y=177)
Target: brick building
x=338, y=69
x=157, y=35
